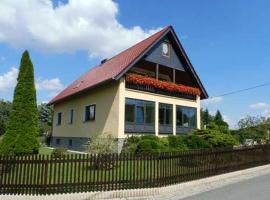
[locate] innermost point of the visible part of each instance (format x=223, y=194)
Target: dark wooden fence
x=78, y=173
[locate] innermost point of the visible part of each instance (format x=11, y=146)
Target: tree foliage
x=252, y=128
x=5, y=107
x=21, y=134
x=45, y=118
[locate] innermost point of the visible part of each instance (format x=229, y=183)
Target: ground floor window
x=90, y=113
x=139, y=116
x=59, y=118
x=185, y=118
x=165, y=118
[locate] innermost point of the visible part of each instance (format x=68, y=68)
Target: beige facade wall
x=110, y=111
x=157, y=98
x=106, y=118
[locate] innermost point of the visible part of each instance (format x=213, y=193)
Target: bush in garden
x=176, y=143
x=215, y=138
x=149, y=146
x=195, y=142
x=102, y=144
x=59, y=152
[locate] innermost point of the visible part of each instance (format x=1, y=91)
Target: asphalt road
x=257, y=188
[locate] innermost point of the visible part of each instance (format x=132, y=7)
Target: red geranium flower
x=164, y=85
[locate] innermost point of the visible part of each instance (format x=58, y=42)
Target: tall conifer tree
x=21, y=136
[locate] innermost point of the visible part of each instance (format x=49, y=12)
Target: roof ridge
x=136, y=44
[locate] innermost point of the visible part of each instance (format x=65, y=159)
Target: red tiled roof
x=110, y=69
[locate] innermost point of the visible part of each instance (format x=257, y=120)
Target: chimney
x=103, y=61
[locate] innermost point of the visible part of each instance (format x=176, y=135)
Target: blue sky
x=227, y=42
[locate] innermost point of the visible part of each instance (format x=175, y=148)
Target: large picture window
x=185, y=118
x=165, y=118
x=139, y=116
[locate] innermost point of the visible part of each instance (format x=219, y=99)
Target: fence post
x=45, y=173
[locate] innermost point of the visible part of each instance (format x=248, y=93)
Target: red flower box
x=164, y=85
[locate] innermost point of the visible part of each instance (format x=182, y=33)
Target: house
x=149, y=88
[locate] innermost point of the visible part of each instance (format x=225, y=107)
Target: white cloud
x=212, y=100
x=264, y=107
x=260, y=105
x=9, y=79
x=90, y=25
x=49, y=84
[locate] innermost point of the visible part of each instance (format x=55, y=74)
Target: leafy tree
x=21, y=135
x=45, y=118
x=255, y=128
x=5, y=107
x=206, y=118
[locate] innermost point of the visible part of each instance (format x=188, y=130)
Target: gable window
x=90, y=113
x=165, y=118
x=166, y=49
x=59, y=118
x=70, y=116
x=185, y=118
x=139, y=116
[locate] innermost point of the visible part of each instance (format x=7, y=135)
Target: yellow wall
x=157, y=98
x=110, y=109
x=106, y=100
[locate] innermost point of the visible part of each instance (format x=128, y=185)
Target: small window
x=59, y=118
x=70, y=116
x=166, y=49
x=57, y=141
x=90, y=112
x=70, y=143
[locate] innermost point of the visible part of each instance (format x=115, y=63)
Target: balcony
x=152, y=85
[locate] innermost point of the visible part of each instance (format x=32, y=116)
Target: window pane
x=192, y=117
x=59, y=118
x=165, y=114
x=87, y=113
x=179, y=114
x=139, y=114
x=169, y=114
x=130, y=113
x=186, y=116
x=150, y=112
x=70, y=117
x=92, y=112
x=161, y=115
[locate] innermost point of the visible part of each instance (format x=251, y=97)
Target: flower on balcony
x=164, y=85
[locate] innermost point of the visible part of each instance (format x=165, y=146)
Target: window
x=59, y=118
x=166, y=49
x=90, y=112
x=57, y=141
x=69, y=142
x=139, y=116
x=186, y=116
x=165, y=114
x=70, y=116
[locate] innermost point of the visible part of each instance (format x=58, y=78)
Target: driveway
x=256, y=188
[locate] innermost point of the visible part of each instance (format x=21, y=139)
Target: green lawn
x=45, y=151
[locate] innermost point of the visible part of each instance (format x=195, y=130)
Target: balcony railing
x=150, y=89
x=148, y=84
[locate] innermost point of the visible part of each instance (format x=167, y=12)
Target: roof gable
x=155, y=55
x=116, y=67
